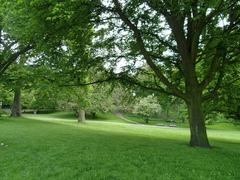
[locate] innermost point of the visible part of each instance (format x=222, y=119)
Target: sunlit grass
x=53, y=147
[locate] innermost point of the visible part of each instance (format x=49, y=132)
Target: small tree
x=148, y=107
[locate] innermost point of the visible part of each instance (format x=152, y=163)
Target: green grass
x=70, y=116
x=227, y=125
x=141, y=120
x=224, y=126
x=154, y=121
x=52, y=147
x=110, y=117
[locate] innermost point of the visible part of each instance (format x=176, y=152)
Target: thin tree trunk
x=81, y=115
x=167, y=111
x=197, y=123
x=238, y=112
x=16, y=106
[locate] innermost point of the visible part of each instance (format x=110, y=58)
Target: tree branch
x=145, y=53
x=217, y=62
x=13, y=58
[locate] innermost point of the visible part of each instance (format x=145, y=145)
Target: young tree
x=148, y=107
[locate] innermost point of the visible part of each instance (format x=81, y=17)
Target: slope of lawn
x=152, y=121
x=52, y=148
x=70, y=116
x=225, y=125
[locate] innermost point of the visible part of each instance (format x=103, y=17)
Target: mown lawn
x=44, y=147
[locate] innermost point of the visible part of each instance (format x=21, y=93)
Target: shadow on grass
x=72, y=150
x=168, y=136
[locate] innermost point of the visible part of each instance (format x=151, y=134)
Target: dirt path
x=120, y=115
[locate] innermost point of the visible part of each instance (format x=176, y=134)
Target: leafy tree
x=15, y=79
x=228, y=100
x=11, y=48
x=187, y=45
x=5, y=96
x=147, y=107
x=45, y=98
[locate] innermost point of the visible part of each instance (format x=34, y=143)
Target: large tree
x=186, y=44
x=20, y=76
x=11, y=47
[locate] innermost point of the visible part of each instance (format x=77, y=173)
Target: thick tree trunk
x=81, y=115
x=16, y=106
x=197, y=123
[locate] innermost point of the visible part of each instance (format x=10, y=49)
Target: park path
x=120, y=115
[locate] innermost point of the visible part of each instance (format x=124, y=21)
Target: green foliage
x=217, y=117
x=2, y=112
x=148, y=107
x=45, y=100
x=49, y=21
x=5, y=95
x=18, y=75
x=178, y=48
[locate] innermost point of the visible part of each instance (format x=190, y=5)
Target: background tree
x=148, y=107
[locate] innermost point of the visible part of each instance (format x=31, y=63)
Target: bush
x=2, y=112
x=216, y=118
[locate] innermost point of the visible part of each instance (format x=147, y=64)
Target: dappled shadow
x=130, y=149
x=62, y=115
x=125, y=130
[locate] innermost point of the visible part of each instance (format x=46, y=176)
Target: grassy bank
x=47, y=147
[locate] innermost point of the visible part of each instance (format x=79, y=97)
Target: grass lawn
x=162, y=122
x=152, y=121
x=66, y=116
x=56, y=147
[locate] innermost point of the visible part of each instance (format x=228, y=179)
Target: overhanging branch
x=13, y=58
x=145, y=53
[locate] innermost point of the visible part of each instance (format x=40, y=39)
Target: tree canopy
x=187, y=49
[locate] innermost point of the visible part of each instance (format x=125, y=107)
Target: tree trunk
x=238, y=112
x=81, y=115
x=94, y=114
x=167, y=112
x=197, y=123
x=146, y=120
x=16, y=106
